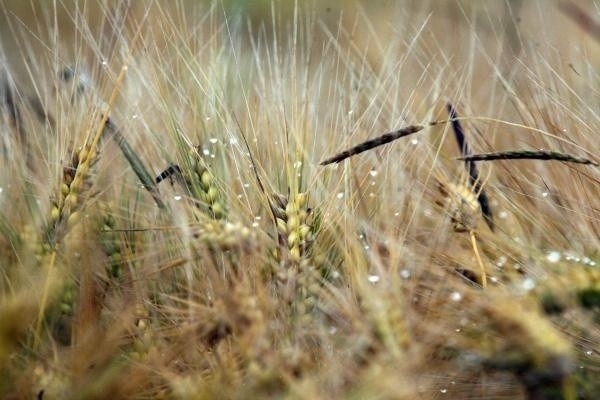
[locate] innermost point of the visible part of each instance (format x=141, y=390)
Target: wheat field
x=167, y=230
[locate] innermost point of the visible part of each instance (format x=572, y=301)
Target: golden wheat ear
x=110, y=129
x=529, y=155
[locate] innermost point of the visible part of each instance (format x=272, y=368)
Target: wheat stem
x=44, y=300
x=478, y=257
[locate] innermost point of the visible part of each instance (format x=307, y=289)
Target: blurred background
x=514, y=23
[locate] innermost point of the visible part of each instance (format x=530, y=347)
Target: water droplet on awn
x=553, y=256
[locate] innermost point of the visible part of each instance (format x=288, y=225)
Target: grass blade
x=136, y=164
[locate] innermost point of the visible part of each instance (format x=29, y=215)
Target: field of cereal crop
x=169, y=228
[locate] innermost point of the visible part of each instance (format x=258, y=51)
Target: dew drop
x=177, y=197
x=207, y=119
x=396, y=214
x=258, y=218
x=502, y=215
x=544, y=194
x=246, y=185
x=553, y=256
x=373, y=172
x=340, y=195
x=255, y=224
x=456, y=296
x=405, y=273
x=589, y=353
x=517, y=266
x=1, y=189
x=206, y=152
x=414, y=141
x=134, y=116
x=443, y=390
x=373, y=278
x=501, y=261
x=297, y=164
x=528, y=284
x=233, y=141
x=213, y=140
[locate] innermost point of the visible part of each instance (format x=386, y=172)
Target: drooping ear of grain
x=529, y=155
x=474, y=178
x=373, y=143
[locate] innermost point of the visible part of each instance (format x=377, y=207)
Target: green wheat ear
x=201, y=184
x=294, y=222
x=197, y=178
x=223, y=235
x=110, y=241
x=295, y=270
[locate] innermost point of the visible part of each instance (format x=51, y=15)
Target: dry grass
x=251, y=271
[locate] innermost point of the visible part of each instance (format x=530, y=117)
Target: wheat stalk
x=65, y=214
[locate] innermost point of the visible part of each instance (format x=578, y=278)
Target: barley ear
x=75, y=183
